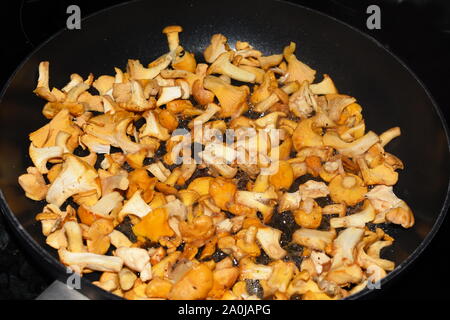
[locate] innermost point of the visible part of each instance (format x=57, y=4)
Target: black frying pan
x=388, y=91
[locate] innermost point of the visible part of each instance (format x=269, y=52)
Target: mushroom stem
x=222, y=65
x=172, y=36
x=90, y=261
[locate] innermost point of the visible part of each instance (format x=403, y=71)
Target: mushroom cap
x=310, y=220
x=34, y=184
x=305, y=135
x=170, y=29
x=348, y=189
x=180, y=216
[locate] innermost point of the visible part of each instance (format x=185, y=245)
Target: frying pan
x=391, y=95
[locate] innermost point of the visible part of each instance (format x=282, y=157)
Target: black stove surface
x=418, y=31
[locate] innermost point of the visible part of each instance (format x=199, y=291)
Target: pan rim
x=50, y=260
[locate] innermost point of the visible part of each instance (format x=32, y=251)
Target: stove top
x=418, y=31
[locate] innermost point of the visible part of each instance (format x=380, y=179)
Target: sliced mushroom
x=232, y=99
x=258, y=200
x=40, y=156
x=137, y=71
x=222, y=65
x=352, y=149
x=269, y=238
x=76, y=176
x=314, y=239
x=33, y=183
x=313, y=189
x=135, y=206
x=153, y=127
x=217, y=47
x=134, y=258
x=90, y=261
x=326, y=86
x=297, y=70
x=344, y=247
x=357, y=220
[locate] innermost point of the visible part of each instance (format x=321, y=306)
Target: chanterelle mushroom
x=355, y=220
x=76, y=177
x=217, y=47
x=314, y=239
x=232, y=99
x=302, y=102
x=137, y=71
x=297, y=70
x=172, y=36
x=46, y=136
x=306, y=134
x=381, y=174
x=223, y=66
x=137, y=101
x=134, y=258
x=258, y=200
x=289, y=201
x=90, y=261
x=122, y=139
x=389, y=207
x=351, y=149
x=153, y=127
x=42, y=88
x=34, y=184
x=336, y=103
x=313, y=189
x=168, y=94
x=135, y=206
x=40, y=156
x=269, y=238
x=344, y=246
x=326, y=86
x=195, y=284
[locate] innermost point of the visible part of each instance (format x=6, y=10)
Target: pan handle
x=59, y=291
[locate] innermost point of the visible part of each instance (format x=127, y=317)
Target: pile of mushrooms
x=120, y=203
